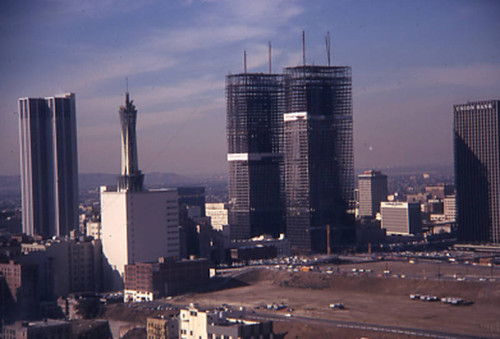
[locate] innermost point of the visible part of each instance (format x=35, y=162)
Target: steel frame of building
x=290, y=140
x=254, y=130
x=318, y=156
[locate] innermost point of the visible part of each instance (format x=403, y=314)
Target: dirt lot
x=372, y=300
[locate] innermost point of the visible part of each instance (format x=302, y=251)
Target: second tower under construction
x=318, y=157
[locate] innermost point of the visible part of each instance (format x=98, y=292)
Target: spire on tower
x=131, y=178
x=127, y=96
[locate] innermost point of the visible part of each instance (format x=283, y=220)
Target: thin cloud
x=172, y=99
x=96, y=8
x=119, y=64
x=473, y=75
x=178, y=93
x=202, y=37
x=177, y=116
x=261, y=11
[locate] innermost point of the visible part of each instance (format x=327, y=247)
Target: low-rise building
x=163, y=327
x=76, y=263
x=151, y=280
x=257, y=252
x=439, y=191
x=218, y=214
x=53, y=329
x=22, y=294
x=281, y=244
x=195, y=323
x=93, y=229
x=91, y=329
x=232, y=328
x=369, y=231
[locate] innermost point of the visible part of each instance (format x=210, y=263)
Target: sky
x=411, y=61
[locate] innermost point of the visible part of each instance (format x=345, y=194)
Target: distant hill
x=412, y=170
x=10, y=185
x=89, y=181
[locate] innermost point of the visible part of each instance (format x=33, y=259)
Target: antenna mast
x=303, y=48
x=126, y=88
x=244, y=61
x=270, y=65
x=327, y=41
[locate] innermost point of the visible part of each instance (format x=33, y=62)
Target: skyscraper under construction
x=290, y=153
x=318, y=157
x=254, y=130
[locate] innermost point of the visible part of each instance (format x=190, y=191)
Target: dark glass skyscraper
x=254, y=129
x=318, y=157
x=49, y=167
x=477, y=170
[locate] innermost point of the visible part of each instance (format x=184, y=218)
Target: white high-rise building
x=137, y=225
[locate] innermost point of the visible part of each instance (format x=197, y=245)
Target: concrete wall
x=139, y=226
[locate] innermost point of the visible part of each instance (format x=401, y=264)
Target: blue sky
x=411, y=61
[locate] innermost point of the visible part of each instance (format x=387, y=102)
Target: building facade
x=76, y=264
x=318, y=157
x=49, y=165
x=450, y=208
x=192, y=199
x=439, y=191
x=477, y=170
x=372, y=187
x=146, y=281
x=54, y=329
x=163, y=327
x=401, y=218
x=195, y=323
x=254, y=127
x=22, y=295
x=218, y=214
x=139, y=226
x=281, y=244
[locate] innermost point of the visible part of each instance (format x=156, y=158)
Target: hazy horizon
x=411, y=61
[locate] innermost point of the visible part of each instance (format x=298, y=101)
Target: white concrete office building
x=139, y=226
x=401, y=218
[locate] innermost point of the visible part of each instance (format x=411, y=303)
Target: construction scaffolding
x=318, y=156
x=254, y=136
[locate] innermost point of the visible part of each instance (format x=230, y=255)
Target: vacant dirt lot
x=372, y=300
